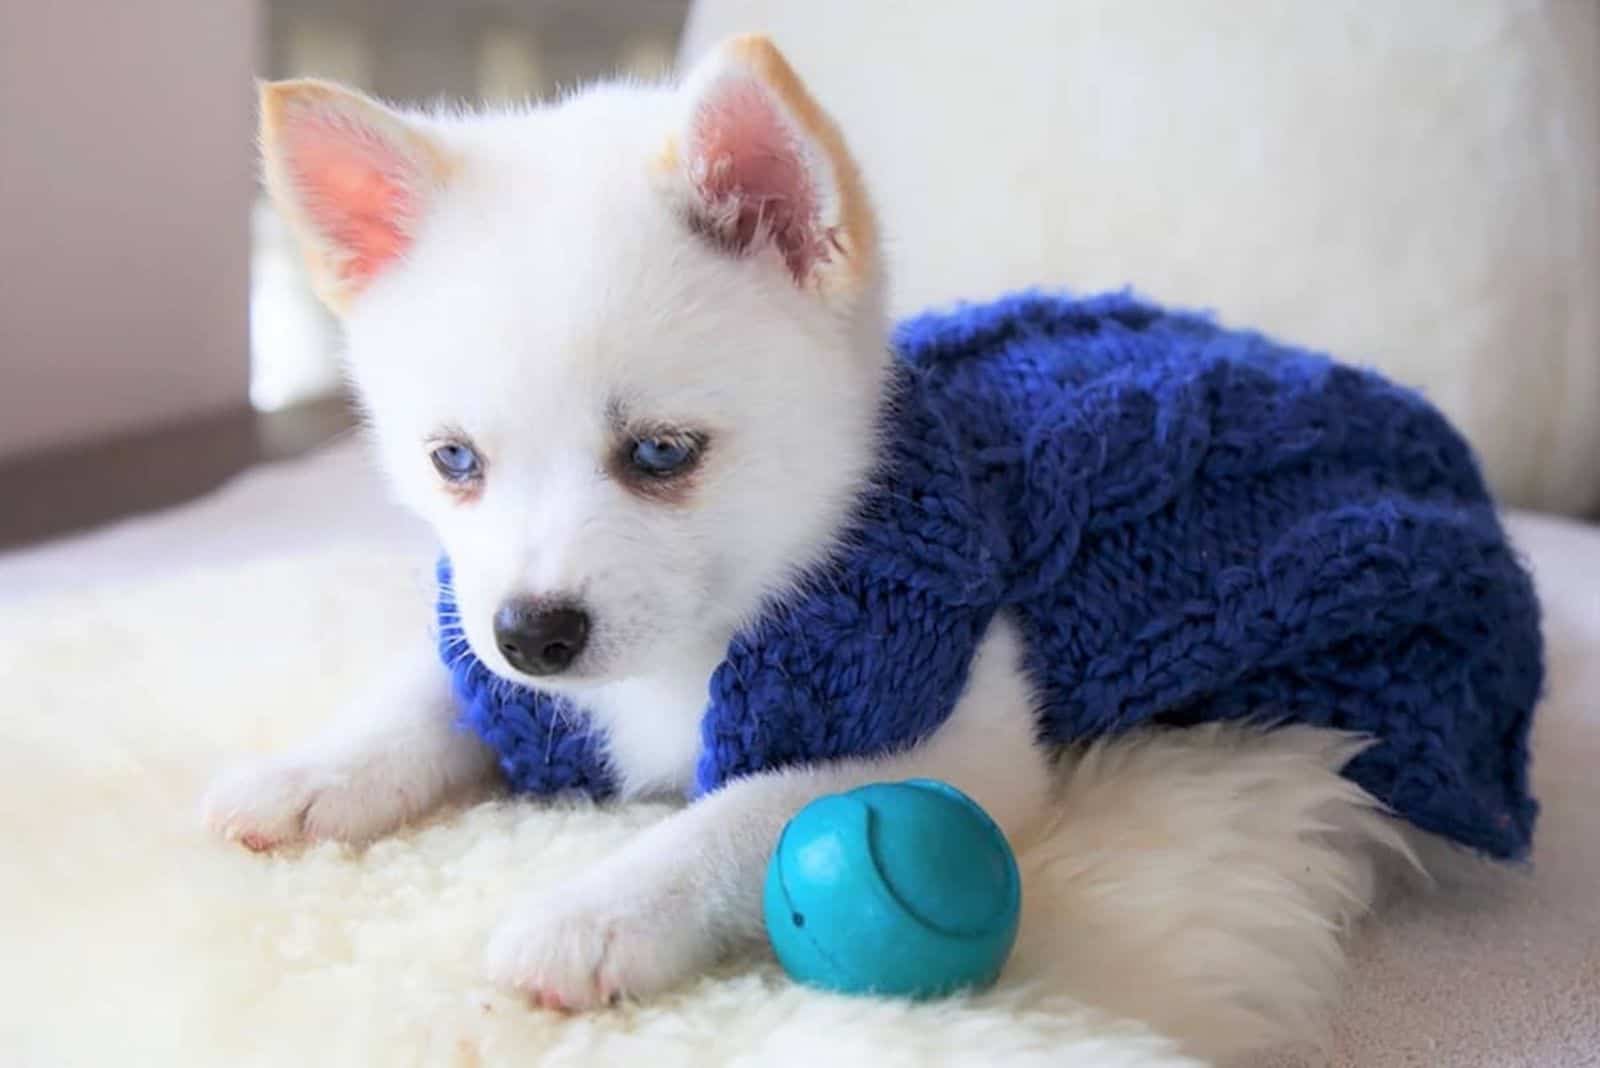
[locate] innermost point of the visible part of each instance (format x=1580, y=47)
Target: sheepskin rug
x=1166, y=920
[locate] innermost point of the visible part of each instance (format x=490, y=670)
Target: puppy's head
x=625, y=353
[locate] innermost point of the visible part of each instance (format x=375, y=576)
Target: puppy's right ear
x=350, y=177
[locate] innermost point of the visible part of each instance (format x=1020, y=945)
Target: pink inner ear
x=753, y=177
x=359, y=191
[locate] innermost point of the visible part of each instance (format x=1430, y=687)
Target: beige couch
x=1412, y=185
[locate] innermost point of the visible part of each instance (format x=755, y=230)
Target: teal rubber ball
x=905, y=889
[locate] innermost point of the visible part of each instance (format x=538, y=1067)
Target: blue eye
x=663, y=456
x=456, y=462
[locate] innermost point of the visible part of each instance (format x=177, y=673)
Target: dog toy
x=906, y=889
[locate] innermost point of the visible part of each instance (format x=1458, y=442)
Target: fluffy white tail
x=1202, y=881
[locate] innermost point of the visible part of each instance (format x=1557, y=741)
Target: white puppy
x=633, y=409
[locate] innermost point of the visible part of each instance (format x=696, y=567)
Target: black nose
x=537, y=638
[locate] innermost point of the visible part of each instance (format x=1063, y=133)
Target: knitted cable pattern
x=1187, y=523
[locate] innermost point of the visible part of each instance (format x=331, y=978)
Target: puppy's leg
x=688, y=889
x=396, y=755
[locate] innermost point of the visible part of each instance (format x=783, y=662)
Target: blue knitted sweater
x=1187, y=523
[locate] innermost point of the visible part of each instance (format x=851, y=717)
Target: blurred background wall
x=125, y=184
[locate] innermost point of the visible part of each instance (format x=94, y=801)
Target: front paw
x=274, y=803
x=598, y=940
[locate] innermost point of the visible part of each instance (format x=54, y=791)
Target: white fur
x=1215, y=872
x=555, y=280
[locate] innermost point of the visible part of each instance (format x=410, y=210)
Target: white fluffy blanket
x=134, y=937
x=131, y=937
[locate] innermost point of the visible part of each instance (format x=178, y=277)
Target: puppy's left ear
x=762, y=172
